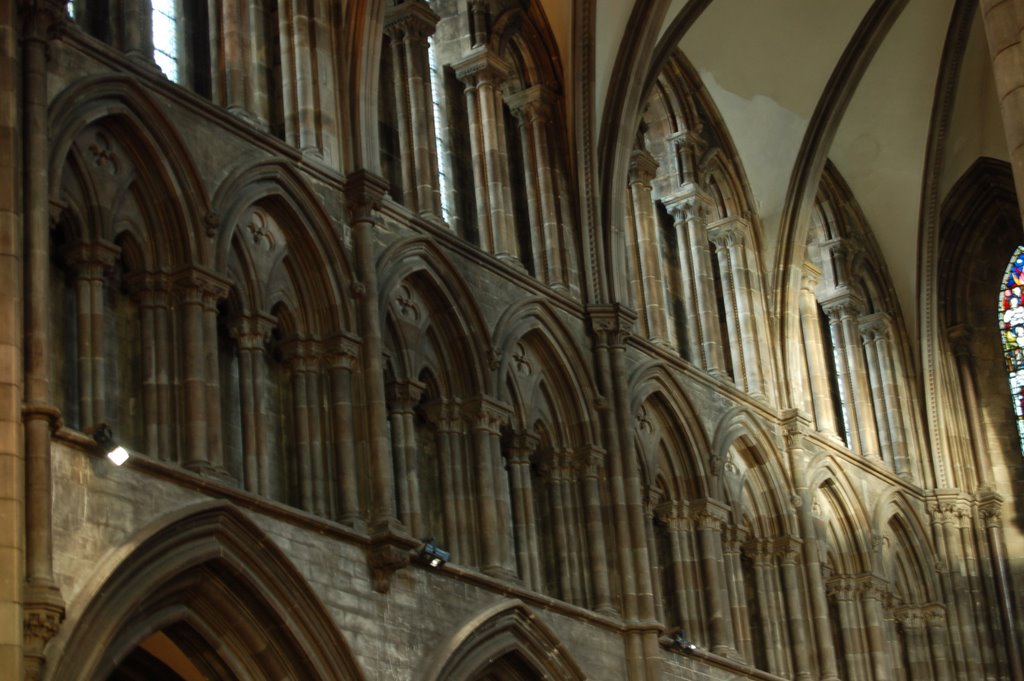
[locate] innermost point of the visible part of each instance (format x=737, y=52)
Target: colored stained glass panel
x=1011, y=323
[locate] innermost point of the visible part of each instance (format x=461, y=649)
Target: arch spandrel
x=506, y=629
x=742, y=450
x=169, y=176
x=268, y=207
x=203, y=567
x=532, y=324
x=449, y=306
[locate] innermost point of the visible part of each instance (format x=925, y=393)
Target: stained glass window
x=1011, y=323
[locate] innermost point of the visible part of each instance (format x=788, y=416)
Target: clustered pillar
x=409, y=25
x=483, y=73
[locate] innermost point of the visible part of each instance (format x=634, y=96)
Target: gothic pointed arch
x=507, y=636
x=419, y=262
x=898, y=526
x=536, y=318
x=219, y=587
x=743, y=452
x=656, y=392
x=122, y=112
x=273, y=210
x=838, y=512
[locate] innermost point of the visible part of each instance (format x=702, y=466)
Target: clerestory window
x=1011, y=324
x=165, y=37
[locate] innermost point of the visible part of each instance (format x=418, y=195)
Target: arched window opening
x=440, y=144
x=1011, y=324
x=165, y=37
x=388, y=124
x=520, y=200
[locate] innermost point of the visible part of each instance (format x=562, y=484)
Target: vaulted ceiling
x=858, y=80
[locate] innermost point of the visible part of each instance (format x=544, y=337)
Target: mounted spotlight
x=106, y=443
x=681, y=643
x=432, y=554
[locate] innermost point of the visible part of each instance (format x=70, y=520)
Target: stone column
x=873, y=591
x=650, y=275
x=841, y=590
x=610, y=325
x=136, y=30
x=296, y=358
x=789, y=550
x=485, y=418
x=843, y=310
x=447, y=419
x=409, y=24
x=711, y=517
x=815, y=347
x=342, y=358
x=1004, y=25
x=690, y=209
x=960, y=341
x=533, y=107
x=732, y=544
x=483, y=72
x=797, y=426
x=194, y=289
x=402, y=399
x=729, y=237
x=301, y=100
x=885, y=383
x=991, y=513
x=949, y=511
x=251, y=334
x=91, y=262
x=938, y=642
x=940, y=513
x=39, y=600
x=523, y=511
x=363, y=194
x=592, y=469
x=12, y=382
x=152, y=293
x=766, y=581
x=212, y=294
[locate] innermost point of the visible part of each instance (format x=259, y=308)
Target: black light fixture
x=108, y=445
x=681, y=643
x=432, y=554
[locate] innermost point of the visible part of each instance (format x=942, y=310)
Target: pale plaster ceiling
x=765, y=65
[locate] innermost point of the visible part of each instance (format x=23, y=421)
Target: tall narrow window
x=165, y=37
x=439, y=144
x=1011, y=323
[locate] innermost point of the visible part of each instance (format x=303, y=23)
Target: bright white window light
x=165, y=37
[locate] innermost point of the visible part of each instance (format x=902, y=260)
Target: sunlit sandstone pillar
x=650, y=272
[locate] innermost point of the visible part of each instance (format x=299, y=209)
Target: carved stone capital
x=403, y=395
x=612, y=324
x=342, y=351
x=876, y=326
x=251, y=332
x=486, y=413
x=844, y=302
x=690, y=204
x=364, y=192
x=643, y=167
x=412, y=19
x=482, y=66
x=534, y=103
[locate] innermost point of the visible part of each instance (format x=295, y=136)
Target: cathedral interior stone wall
x=351, y=280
